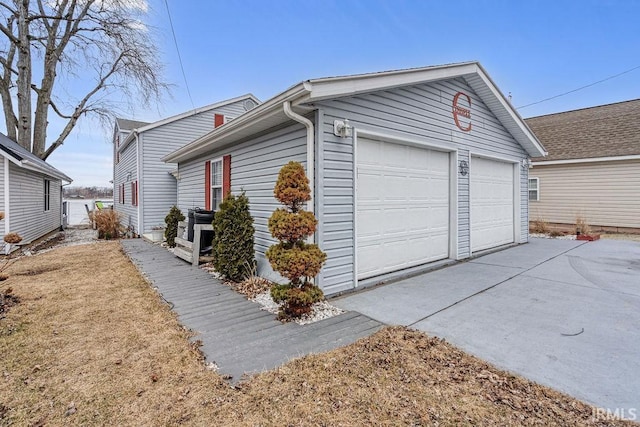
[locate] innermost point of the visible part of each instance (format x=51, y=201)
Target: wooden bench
x=190, y=251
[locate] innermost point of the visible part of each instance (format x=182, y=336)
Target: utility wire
x=580, y=88
x=175, y=41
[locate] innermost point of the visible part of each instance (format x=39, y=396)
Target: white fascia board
x=54, y=174
x=186, y=114
x=10, y=158
x=588, y=160
x=540, y=151
x=332, y=87
x=267, y=109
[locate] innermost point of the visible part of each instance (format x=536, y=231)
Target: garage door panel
x=403, y=214
x=492, y=219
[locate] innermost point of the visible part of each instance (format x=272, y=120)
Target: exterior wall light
x=342, y=128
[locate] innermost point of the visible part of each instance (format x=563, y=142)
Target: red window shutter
x=218, y=120
x=136, y=193
x=226, y=175
x=207, y=185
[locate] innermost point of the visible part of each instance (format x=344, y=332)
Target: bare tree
x=103, y=42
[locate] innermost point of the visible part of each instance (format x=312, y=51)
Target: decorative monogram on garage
x=462, y=111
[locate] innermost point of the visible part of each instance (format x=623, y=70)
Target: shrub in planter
x=172, y=219
x=232, y=246
x=292, y=257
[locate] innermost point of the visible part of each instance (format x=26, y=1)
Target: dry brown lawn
x=91, y=344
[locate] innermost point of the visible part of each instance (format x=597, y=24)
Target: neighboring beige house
x=592, y=169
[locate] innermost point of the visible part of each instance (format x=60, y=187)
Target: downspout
x=310, y=153
x=7, y=199
x=139, y=185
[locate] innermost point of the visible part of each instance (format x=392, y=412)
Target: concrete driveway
x=562, y=313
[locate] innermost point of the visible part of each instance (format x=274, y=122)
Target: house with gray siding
x=144, y=185
x=30, y=193
x=408, y=168
x=592, y=170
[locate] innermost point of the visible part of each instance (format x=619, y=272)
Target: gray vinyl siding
x=255, y=165
x=158, y=189
x=603, y=193
x=1, y=193
x=464, y=219
x=26, y=204
x=126, y=168
x=422, y=113
x=524, y=204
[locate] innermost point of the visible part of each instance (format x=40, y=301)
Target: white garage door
x=402, y=206
x=491, y=203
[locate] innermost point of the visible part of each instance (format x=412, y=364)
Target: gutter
x=27, y=164
x=228, y=129
x=310, y=151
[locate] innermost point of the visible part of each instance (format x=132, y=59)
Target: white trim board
x=588, y=160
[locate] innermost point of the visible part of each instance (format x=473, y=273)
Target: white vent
x=249, y=104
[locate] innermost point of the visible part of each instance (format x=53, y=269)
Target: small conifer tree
x=292, y=257
x=233, y=239
x=172, y=219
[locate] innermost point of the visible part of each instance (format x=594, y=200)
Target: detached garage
x=407, y=167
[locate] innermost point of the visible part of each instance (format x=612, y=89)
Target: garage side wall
x=420, y=113
x=255, y=165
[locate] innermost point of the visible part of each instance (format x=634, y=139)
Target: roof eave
x=333, y=87
x=520, y=131
x=52, y=173
x=242, y=122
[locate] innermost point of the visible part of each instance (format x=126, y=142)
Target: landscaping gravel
x=320, y=310
x=546, y=236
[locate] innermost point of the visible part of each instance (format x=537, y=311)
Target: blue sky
x=534, y=49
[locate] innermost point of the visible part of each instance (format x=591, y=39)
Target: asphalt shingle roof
x=602, y=131
x=126, y=124
x=19, y=153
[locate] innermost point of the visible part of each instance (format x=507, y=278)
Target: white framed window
x=534, y=189
x=47, y=195
x=216, y=183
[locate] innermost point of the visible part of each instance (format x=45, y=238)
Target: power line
x=580, y=88
x=175, y=41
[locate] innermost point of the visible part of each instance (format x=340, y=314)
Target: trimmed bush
x=294, y=259
x=291, y=227
x=233, y=250
x=172, y=219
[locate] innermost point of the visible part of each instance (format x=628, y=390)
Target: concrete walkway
x=236, y=334
x=562, y=313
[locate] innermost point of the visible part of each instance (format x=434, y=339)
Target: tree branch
x=80, y=109
x=57, y=111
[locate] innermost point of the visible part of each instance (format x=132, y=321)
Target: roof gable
x=610, y=130
x=302, y=96
x=129, y=125
x=25, y=159
x=148, y=126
